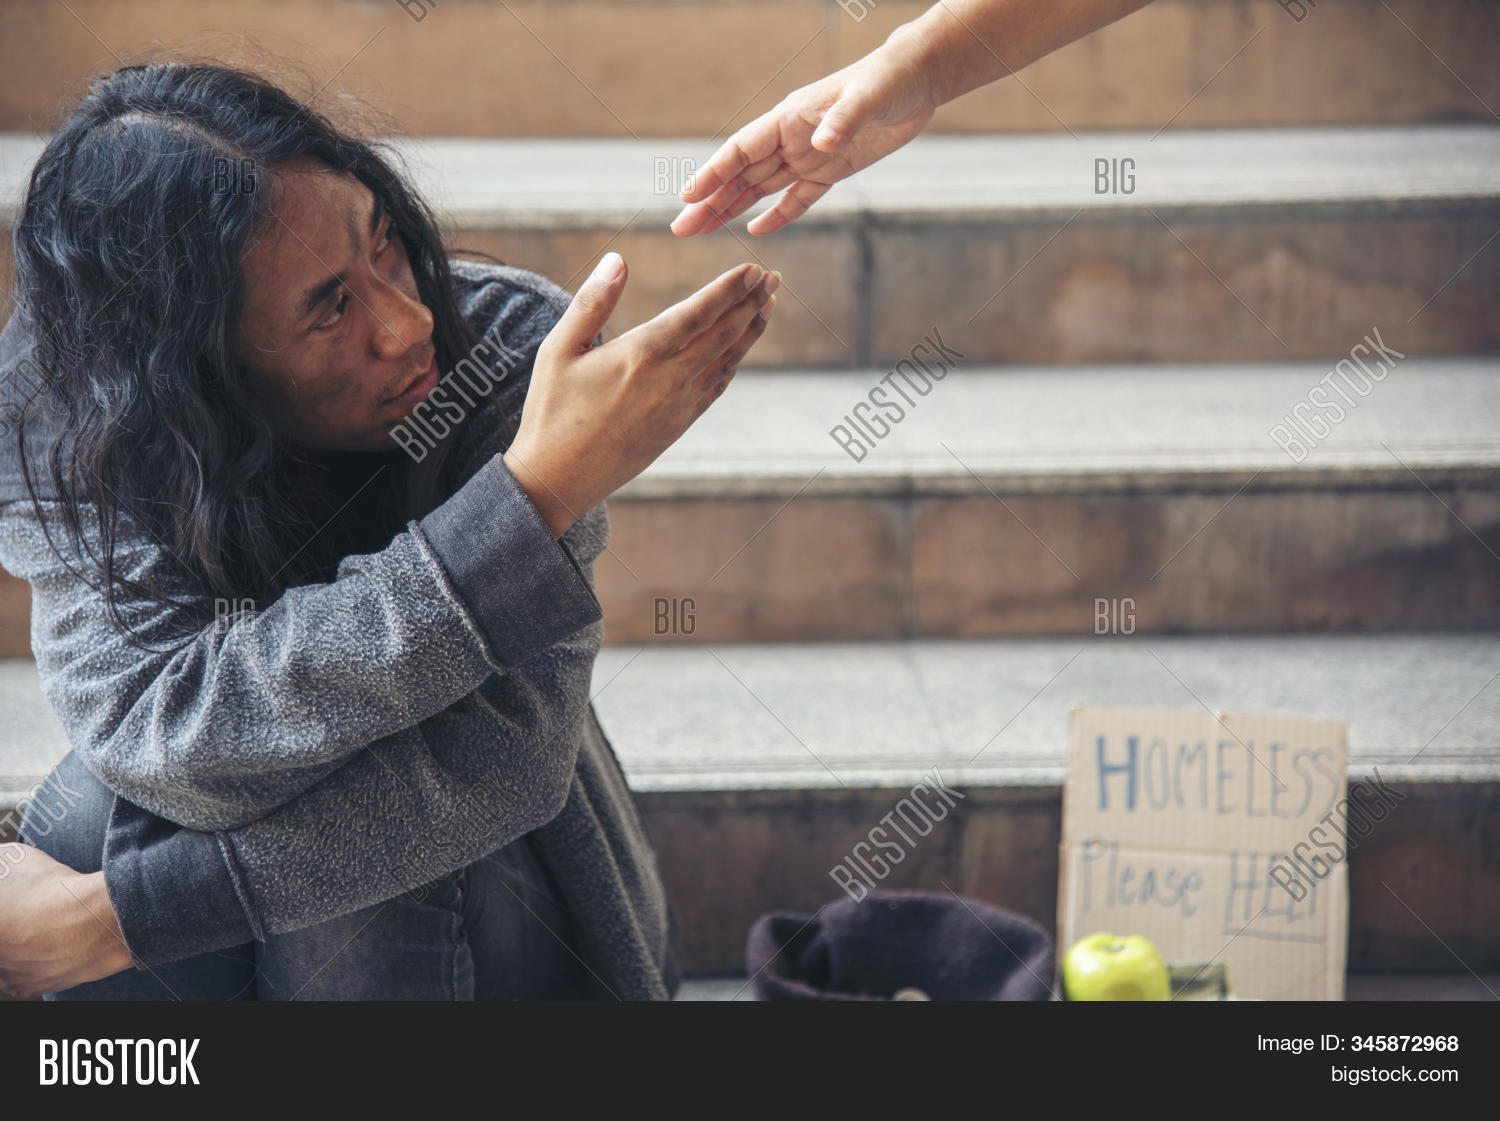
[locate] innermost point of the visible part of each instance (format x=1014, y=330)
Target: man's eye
x=337, y=313
x=381, y=246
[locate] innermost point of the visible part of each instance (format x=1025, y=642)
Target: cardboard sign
x=1172, y=825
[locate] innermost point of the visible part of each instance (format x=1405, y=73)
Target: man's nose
x=404, y=323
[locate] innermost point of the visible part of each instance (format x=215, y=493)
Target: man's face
x=333, y=330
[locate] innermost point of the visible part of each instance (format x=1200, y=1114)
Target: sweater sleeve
x=247, y=715
x=407, y=809
x=477, y=648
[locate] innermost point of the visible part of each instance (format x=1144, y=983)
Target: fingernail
x=608, y=269
x=752, y=276
x=773, y=282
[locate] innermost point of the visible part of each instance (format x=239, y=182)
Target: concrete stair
x=758, y=767
x=797, y=633
x=1035, y=500
x=596, y=67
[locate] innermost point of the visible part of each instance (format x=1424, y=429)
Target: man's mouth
x=418, y=388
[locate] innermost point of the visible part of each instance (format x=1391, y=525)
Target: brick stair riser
x=760, y=570
x=728, y=858
x=596, y=68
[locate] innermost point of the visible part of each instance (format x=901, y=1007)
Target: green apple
x=1109, y=967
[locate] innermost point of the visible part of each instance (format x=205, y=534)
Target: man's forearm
x=106, y=952
x=57, y=927
x=964, y=44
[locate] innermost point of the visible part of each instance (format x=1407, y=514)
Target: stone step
x=820, y=720
x=1060, y=501
x=1231, y=245
x=703, y=67
x=757, y=768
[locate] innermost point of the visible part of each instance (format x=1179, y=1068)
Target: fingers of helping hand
x=715, y=211
x=753, y=175
x=706, y=217
x=747, y=198
x=724, y=165
x=700, y=218
x=757, y=141
x=788, y=208
x=684, y=321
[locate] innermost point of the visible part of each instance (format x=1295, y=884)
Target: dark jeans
x=496, y=930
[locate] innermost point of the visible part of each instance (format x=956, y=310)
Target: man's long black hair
x=129, y=249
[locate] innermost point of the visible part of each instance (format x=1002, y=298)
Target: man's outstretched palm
x=818, y=135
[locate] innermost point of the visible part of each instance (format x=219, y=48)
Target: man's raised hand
x=595, y=417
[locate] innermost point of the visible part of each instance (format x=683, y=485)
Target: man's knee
x=410, y=947
x=68, y=816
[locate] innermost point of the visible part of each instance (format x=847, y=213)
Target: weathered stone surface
x=593, y=68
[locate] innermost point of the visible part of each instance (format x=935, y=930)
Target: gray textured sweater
x=360, y=737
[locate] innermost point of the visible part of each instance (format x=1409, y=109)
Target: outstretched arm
x=842, y=124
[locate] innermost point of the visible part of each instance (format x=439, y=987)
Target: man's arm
x=57, y=927
x=411, y=807
x=433, y=797
x=252, y=712
x=399, y=814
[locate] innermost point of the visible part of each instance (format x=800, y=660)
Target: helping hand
x=818, y=135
